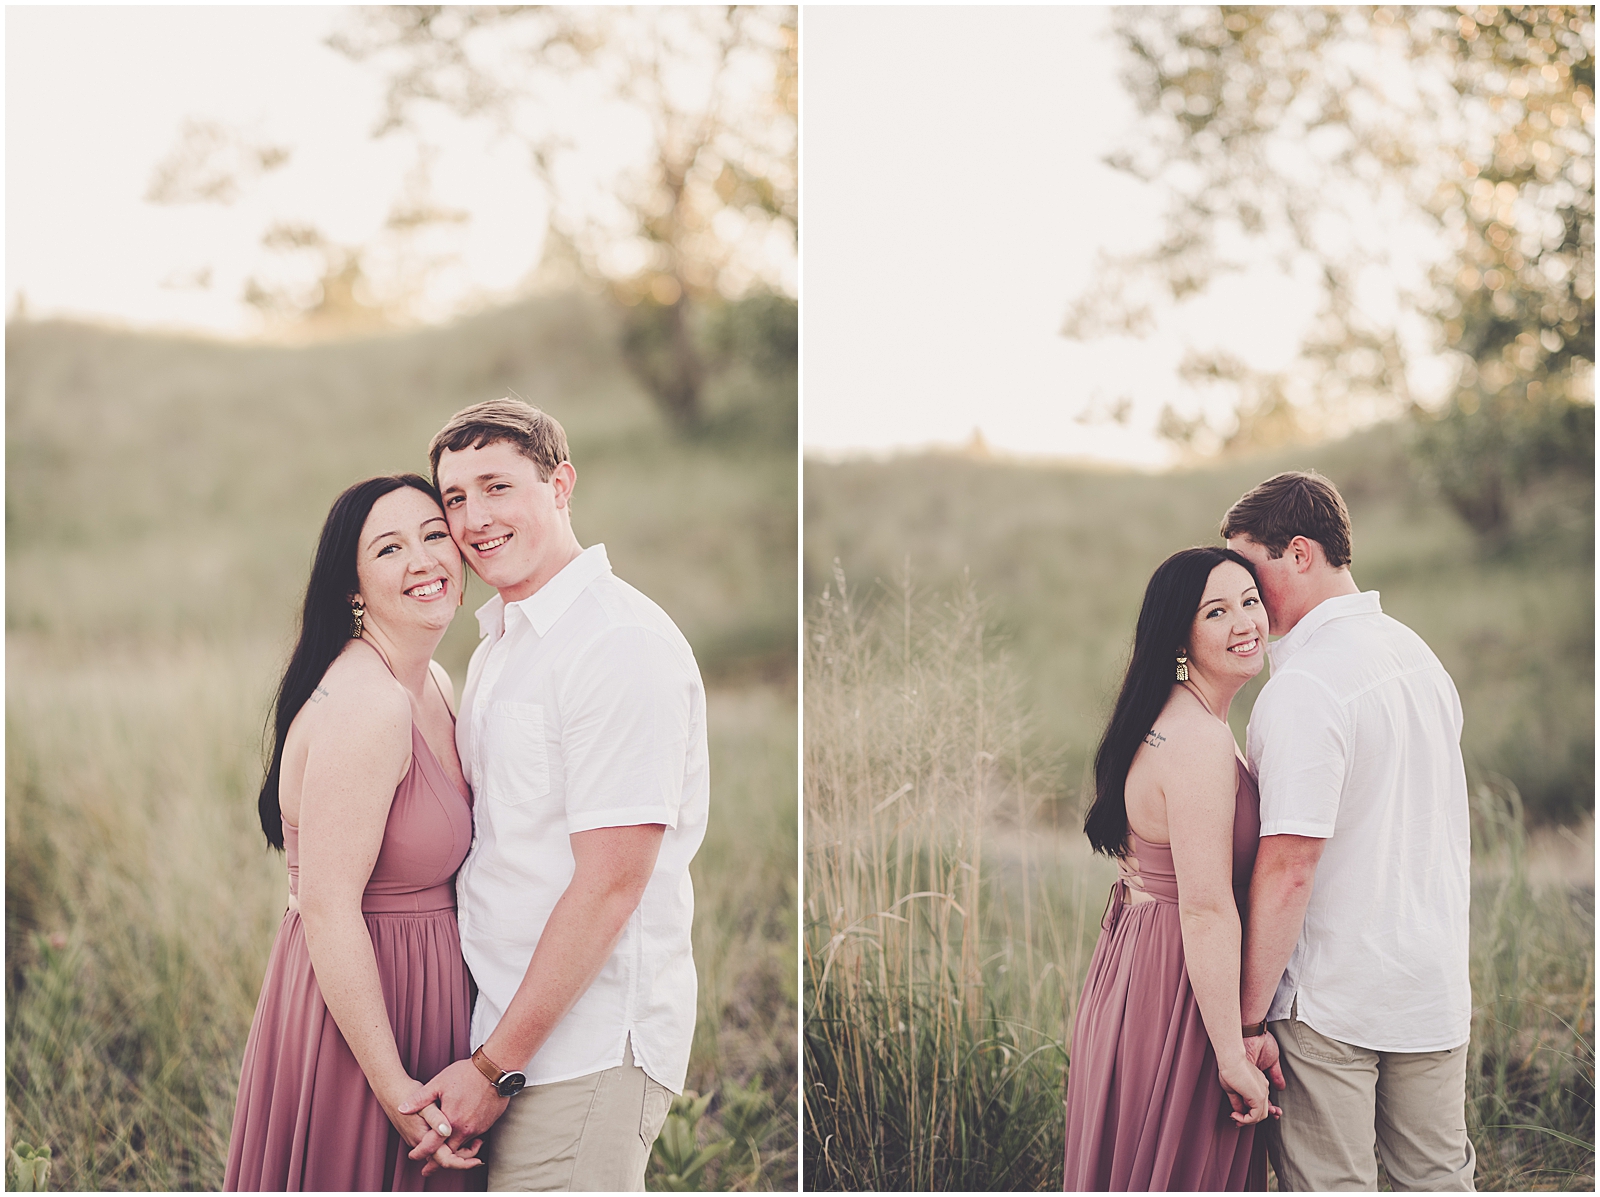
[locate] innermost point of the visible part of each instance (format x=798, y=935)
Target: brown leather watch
x=1255, y=1030
x=506, y=1084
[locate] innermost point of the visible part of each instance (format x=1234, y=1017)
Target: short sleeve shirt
x=583, y=709
x=1356, y=739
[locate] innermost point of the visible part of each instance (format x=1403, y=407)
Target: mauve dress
x=1144, y=1106
x=306, y=1118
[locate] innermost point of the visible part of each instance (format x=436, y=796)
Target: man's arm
x=1280, y=887
x=611, y=867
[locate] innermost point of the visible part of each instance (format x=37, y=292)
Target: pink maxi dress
x=306, y=1118
x=1145, y=1110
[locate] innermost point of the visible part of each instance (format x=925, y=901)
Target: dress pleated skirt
x=1145, y=1110
x=306, y=1119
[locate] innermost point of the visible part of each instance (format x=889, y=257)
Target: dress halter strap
x=382, y=656
x=437, y=684
x=1195, y=690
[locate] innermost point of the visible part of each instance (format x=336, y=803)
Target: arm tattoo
x=1154, y=738
x=319, y=694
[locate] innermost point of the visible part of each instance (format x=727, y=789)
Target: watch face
x=511, y=1084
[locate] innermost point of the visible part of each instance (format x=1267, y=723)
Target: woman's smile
x=427, y=591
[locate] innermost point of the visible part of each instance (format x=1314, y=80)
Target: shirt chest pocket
x=516, y=758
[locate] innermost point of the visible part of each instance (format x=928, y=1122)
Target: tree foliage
x=699, y=215
x=1432, y=170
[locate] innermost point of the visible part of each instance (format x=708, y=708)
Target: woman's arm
x=1199, y=782
x=358, y=748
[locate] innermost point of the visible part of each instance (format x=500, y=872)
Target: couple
x=1313, y=931
x=556, y=820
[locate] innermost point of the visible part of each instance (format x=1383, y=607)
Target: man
x=582, y=732
x=1356, y=948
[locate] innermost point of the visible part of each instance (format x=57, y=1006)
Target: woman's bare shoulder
x=1186, y=736
x=359, y=696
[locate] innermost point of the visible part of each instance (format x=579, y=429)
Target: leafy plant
x=748, y=1119
x=680, y=1162
x=28, y=1169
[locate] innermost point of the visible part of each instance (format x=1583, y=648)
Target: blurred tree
x=752, y=346
x=1432, y=169
x=336, y=298
x=313, y=284
x=694, y=216
x=212, y=163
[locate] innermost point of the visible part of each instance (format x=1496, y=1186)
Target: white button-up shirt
x=583, y=708
x=1356, y=739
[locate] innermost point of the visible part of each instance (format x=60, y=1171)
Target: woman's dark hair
x=1170, y=603
x=324, y=621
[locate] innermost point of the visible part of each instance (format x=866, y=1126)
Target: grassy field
x=948, y=926
x=1062, y=555
x=163, y=501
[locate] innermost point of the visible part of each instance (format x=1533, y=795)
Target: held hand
x=428, y=1122
x=1262, y=1051
x=458, y=1159
x=470, y=1105
x=1246, y=1088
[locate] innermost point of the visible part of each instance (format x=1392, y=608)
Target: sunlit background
x=256, y=254
x=203, y=168
x=91, y=233
x=990, y=221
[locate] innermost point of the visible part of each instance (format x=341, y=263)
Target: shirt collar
x=1365, y=603
x=550, y=602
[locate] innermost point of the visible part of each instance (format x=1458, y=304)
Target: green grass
x=947, y=932
x=1063, y=554
x=163, y=501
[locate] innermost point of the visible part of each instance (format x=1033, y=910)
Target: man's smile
x=485, y=546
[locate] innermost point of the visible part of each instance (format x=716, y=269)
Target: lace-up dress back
x=306, y=1119
x=1145, y=1110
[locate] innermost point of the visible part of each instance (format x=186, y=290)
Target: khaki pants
x=592, y=1134
x=1342, y=1098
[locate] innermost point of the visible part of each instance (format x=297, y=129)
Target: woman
x=1158, y=1024
x=365, y=989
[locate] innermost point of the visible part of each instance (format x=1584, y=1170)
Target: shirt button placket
x=492, y=669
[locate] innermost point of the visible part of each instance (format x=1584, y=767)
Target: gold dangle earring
x=357, y=610
x=1183, y=667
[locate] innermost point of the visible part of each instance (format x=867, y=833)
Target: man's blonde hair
x=536, y=434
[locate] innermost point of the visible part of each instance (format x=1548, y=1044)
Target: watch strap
x=1252, y=1031
x=492, y=1072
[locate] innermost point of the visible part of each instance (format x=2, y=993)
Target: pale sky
x=953, y=203
x=96, y=97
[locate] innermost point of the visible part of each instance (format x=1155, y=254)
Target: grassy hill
x=163, y=499
x=1062, y=553
x=173, y=484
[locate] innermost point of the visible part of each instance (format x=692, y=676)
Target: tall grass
x=1530, y=1079
x=140, y=902
x=947, y=934
x=935, y=962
